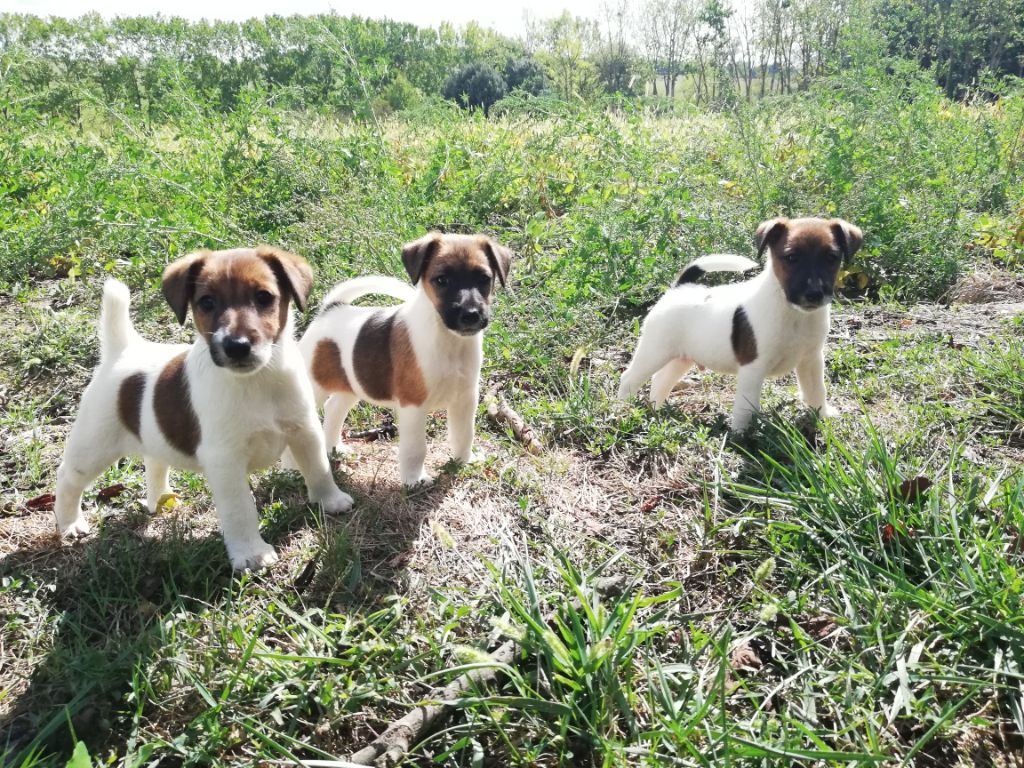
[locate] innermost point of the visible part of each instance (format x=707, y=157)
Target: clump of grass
x=921, y=590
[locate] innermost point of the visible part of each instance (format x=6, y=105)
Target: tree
x=565, y=45
x=525, y=74
x=475, y=85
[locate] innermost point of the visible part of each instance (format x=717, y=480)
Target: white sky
x=503, y=15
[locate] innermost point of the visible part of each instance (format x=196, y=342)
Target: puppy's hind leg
x=335, y=412
x=666, y=378
x=652, y=354
x=157, y=483
x=80, y=466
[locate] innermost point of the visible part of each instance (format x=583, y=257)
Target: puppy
x=764, y=327
x=417, y=357
x=225, y=406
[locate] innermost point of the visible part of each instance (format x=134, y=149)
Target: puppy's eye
x=206, y=303
x=264, y=298
x=790, y=257
x=440, y=281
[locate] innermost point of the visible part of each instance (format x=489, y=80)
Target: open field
x=794, y=596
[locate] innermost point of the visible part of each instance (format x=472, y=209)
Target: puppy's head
x=806, y=255
x=239, y=300
x=458, y=274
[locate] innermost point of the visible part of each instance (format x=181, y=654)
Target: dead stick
x=501, y=413
x=388, y=748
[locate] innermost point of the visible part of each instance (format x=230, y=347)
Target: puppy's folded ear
x=500, y=259
x=178, y=283
x=417, y=254
x=293, y=273
x=769, y=233
x=848, y=236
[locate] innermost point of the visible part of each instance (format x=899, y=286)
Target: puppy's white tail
x=350, y=290
x=116, y=330
x=713, y=262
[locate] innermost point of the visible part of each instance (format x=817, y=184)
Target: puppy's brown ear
x=769, y=233
x=293, y=273
x=179, y=282
x=500, y=259
x=848, y=236
x=417, y=254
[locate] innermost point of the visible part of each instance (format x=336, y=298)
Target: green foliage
x=475, y=85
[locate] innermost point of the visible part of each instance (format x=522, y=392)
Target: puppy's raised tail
x=350, y=290
x=116, y=330
x=713, y=262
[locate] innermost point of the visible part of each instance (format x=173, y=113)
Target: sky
x=505, y=16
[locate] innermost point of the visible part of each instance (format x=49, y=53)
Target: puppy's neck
x=423, y=313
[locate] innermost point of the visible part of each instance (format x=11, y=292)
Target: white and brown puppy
x=761, y=328
x=420, y=356
x=224, y=406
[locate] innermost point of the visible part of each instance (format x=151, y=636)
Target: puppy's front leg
x=749, y=380
x=239, y=519
x=461, y=423
x=412, y=445
x=810, y=374
x=306, y=443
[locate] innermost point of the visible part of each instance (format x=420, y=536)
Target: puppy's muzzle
x=235, y=353
x=467, y=320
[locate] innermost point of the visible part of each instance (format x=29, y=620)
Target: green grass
x=779, y=601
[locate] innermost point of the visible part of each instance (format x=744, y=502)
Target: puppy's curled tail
x=350, y=290
x=713, y=262
x=116, y=330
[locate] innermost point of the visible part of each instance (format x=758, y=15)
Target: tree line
x=706, y=51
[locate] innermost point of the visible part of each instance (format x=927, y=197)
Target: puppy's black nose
x=237, y=348
x=815, y=296
x=470, y=317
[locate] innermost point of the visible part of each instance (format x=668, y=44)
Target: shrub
x=525, y=74
x=475, y=85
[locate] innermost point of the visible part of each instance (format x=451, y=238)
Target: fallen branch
x=502, y=414
x=392, y=745
x=384, y=432
x=388, y=748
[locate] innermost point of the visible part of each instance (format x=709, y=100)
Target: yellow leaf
x=166, y=503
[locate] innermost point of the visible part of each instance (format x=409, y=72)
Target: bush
x=525, y=74
x=475, y=85
x=397, y=95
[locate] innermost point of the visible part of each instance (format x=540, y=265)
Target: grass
x=782, y=599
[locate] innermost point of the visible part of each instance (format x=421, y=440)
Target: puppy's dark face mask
x=806, y=256
x=458, y=273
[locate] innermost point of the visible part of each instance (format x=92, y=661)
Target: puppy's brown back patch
x=744, y=345
x=409, y=387
x=129, y=401
x=385, y=363
x=327, y=370
x=172, y=402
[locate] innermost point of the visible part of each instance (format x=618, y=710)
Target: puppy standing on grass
x=225, y=406
x=417, y=357
x=761, y=328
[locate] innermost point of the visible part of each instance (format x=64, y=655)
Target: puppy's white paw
x=343, y=449
x=740, y=422
x=473, y=457
x=76, y=529
x=335, y=503
x=828, y=412
x=627, y=388
x=417, y=482
x=253, y=557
